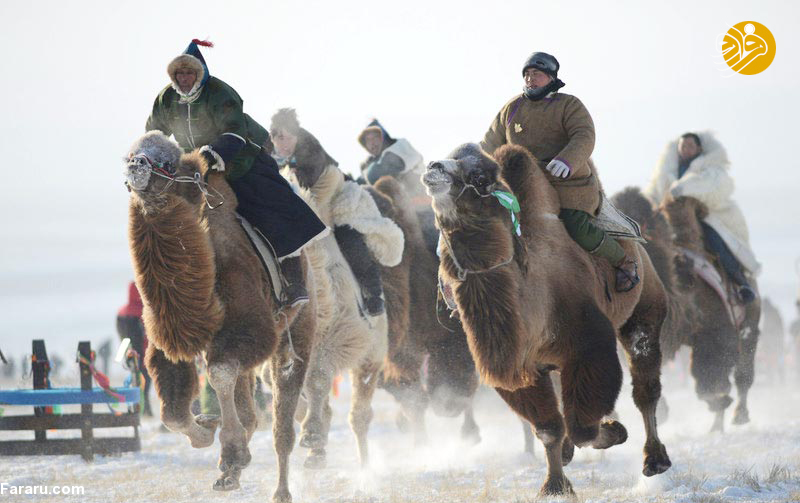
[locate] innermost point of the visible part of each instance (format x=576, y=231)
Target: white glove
x=558, y=168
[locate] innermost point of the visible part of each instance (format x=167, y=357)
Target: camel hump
x=194, y=162
x=513, y=158
x=393, y=189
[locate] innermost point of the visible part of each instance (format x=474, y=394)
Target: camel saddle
x=616, y=223
x=266, y=255
x=724, y=289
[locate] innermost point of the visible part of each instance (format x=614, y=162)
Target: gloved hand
x=212, y=161
x=558, y=168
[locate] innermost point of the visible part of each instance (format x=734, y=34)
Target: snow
x=758, y=462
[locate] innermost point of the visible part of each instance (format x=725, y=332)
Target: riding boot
x=729, y=262
x=294, y=290
x=365, y=269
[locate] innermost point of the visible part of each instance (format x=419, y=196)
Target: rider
x=558, y=130
x=696, y=165
x=301, y=151
x=204, y=112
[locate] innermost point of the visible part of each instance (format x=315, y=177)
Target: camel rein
x=158, y=170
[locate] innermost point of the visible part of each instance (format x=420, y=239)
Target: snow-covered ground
x=758, y=462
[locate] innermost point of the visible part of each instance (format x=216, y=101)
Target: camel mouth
x=436, y=179
x=137, y=176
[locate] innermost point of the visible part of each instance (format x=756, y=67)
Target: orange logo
x=748, y=48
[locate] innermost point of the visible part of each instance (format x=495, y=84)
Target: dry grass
x=690, y=479
x=778, y=473
x=741, y=477
x=709, y=498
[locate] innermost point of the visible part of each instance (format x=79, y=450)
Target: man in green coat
x=203, y=112
x=558, y=130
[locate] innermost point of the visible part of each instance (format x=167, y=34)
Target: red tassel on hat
x=204, y=43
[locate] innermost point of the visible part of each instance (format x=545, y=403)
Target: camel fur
x=205, y=293
x=719, y=345
x=420, y=330
x=346, y=338
x=537, y=302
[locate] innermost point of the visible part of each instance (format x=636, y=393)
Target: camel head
x=462, y=186
x=156, y=168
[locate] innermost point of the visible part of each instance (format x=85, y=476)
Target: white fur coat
x=340, y=202
x=708, y=180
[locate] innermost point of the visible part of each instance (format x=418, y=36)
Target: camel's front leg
x=365, y=379
x=538, y=405
x=223, y=375
x=744, y=372
x=314, y=430
x=176, y=385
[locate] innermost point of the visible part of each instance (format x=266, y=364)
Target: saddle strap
x=265, y=255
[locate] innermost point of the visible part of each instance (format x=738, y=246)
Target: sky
x=79, y=80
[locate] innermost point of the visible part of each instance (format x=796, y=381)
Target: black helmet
x=544, y=62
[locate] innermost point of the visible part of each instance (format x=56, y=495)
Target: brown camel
x=206, y=292
x=536, y=302
x=420, y=330
x=702, y=319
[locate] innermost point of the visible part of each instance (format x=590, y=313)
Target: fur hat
x=377, y=127
x=286, y=119
x=193, y=60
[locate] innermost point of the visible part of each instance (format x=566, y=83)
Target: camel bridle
x=163, y=170
x=462, y=272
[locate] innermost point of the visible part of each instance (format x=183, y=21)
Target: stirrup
x=626, y=276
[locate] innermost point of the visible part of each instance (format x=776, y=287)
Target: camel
x=346, y=337
x=206, y=292
x=697, y=315
x=420, y=331
x=532, y=302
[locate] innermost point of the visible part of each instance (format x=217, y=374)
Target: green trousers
x=591, y=238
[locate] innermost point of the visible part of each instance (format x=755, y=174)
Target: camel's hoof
x=556, y=486
x=282, y=496
x=611, y=433
x=741, y=416
x=657, y=461
x=311, y=440
x=229, y=481
x=316, y=461
x=567, y=451
x=234, y=457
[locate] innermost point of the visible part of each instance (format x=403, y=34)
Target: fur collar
x=714, y=155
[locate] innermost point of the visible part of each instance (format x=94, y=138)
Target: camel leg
x=413, y=402
x=590, y=384
x=713, y=358
x=365, y=380
x=527, y=431
x=539, y=406
x=744, y=372
x=287, y=377
x=176, y=386
x=223, y=376
x=639, y=339
x=470, y=430
x=314, y=430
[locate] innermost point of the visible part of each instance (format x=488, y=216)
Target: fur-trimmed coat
x=340, y=202
x=709, y=181
x=555, y=127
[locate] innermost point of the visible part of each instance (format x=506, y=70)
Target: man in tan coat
x=558, y=130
